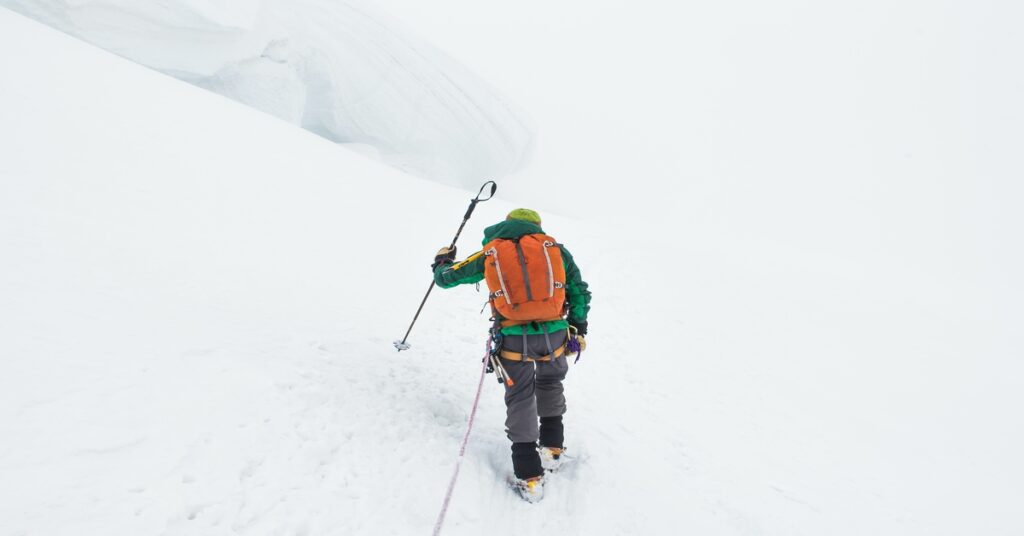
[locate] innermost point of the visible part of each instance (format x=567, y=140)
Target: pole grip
x=469, y=211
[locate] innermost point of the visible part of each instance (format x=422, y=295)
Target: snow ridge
x=342, y=69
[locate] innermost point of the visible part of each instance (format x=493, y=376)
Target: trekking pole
x=402, y=345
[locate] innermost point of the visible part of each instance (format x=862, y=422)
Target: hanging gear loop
x=402, y=345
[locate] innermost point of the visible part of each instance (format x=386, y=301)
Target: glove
x=581, y=327
x=444, y=256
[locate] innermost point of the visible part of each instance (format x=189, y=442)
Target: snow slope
x=191, y=338
x=199, y=302
x=830, y=192
x=342, y=69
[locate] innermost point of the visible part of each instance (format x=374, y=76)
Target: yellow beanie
x=524, y=214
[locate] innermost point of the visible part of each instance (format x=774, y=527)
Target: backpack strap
x=502, y=292
x=522, y=265
x=547, y=338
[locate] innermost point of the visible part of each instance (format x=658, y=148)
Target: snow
x=797, y=327
x=342, y=69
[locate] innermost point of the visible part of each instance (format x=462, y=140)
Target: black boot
x=526, y=461
x=552, y=433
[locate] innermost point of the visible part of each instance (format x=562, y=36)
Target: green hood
x=510, y=229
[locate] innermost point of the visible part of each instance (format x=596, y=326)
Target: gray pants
x=537, y=390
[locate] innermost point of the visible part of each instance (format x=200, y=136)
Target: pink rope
x=462, y=449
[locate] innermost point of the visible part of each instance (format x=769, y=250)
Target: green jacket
x=471, y=271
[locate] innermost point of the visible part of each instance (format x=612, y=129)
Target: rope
x=462, y=449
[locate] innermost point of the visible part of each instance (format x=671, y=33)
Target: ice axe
x=402, y=345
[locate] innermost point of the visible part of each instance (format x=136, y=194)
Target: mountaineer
x=539, y=303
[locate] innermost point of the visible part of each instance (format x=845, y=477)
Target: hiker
x=540, y=305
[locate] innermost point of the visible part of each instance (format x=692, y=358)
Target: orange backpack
x=526, y=278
